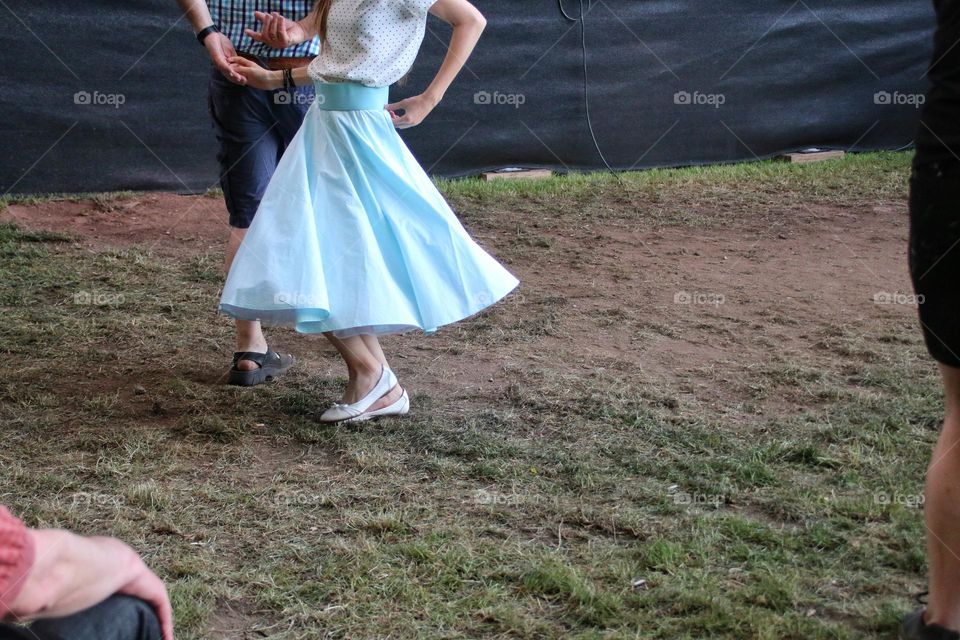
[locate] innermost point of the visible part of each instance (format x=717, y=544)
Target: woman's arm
x=256, y=76
x=310, y=24
x=468, y=23
x=279, y=32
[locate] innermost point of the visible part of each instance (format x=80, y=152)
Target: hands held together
x=276, y=32
x=279, y=33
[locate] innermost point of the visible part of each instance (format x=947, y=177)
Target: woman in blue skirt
x=352, y=239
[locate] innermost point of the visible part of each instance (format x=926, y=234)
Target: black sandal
x=271, y=365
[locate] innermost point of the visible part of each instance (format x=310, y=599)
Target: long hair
x=322, y=9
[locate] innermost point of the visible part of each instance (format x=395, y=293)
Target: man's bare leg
x=249, y=333
x=942, y=512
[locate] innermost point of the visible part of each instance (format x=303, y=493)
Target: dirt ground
x=710, y=383
x=699, y=313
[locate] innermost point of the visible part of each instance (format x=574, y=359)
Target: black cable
x=571, y=18
x=586, y=84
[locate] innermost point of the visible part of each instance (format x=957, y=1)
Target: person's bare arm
x=197, y=13
x=218, y=45
x=72, y=573
x=279, y=32
x=257, y=76
x=468, y=23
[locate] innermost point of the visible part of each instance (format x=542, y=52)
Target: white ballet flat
x=400, y=406
x=339, y=411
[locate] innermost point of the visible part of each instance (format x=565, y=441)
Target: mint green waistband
x=350, y=96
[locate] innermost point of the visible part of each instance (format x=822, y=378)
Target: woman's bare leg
x=373, y=345
x=364, y=367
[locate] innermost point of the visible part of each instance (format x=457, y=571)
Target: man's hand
x=415, y=110
x=221, y=50
x=277, y=31
x=72, y=573
x=149, y=588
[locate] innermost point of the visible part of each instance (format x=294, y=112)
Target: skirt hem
x=315, y=321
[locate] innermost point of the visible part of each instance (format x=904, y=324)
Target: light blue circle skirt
x=352, y=236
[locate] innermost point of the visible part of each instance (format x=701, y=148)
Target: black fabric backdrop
x=671, y=82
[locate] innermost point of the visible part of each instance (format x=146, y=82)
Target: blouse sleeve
x=16, y=559
x=419, y=7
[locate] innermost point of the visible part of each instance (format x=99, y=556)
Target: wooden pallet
x=810, y=156
x=516, y=175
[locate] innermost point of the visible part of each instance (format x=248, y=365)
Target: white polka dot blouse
x=373, y=42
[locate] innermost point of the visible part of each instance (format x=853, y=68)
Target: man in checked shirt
x=253, y=128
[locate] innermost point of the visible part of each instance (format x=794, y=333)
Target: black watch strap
x=203, y=33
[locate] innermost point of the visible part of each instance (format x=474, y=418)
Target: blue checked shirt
x=233, y=16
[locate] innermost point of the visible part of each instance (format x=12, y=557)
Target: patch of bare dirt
x=164, y=220
x=706, y=315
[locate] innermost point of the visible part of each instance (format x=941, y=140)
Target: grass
x=101, y=201
x=575, y=505
x=854, y=178
x=671, y=196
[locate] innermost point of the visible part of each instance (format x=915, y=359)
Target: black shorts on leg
x=935, y=261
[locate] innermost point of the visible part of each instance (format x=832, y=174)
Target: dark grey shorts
x=253, y=128
x=935, y=260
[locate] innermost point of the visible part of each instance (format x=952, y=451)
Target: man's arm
x=197, y=13
x=218, y=45
x=71, y=573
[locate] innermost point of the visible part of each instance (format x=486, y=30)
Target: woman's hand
x=415, y=109
x=221, y=49
x=253, y=74
x=277, y=31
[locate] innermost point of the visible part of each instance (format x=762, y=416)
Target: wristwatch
x=203, y=33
